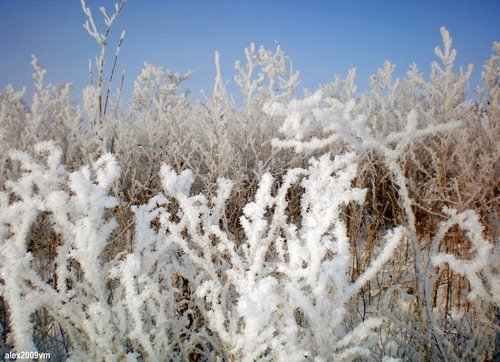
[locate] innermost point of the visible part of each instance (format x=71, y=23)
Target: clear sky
x=321, y=37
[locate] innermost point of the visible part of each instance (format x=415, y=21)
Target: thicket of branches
x=332, y=226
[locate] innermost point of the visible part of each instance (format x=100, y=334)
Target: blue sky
x=321, y=37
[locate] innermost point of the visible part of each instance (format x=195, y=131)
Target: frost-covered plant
x=51, y=115
x=375, y=124
x=481, y=271
x=447, y=90
x=13, y=114
x=102, y=39
x=77, y=296
x=483, y=276
x=341, y=89
x=217, y=128
x=104, y=308
x=282, y=280
x=275, y=78
x=265, y=295
x=155, y=90
x=337, y=122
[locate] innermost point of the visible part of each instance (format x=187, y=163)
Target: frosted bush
x=156, y=88
x=482, y=271
x=275, y=78
x=287, y=280
x=78, y=216
x=375, y=123
x=258, y=296
x=284, y=229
